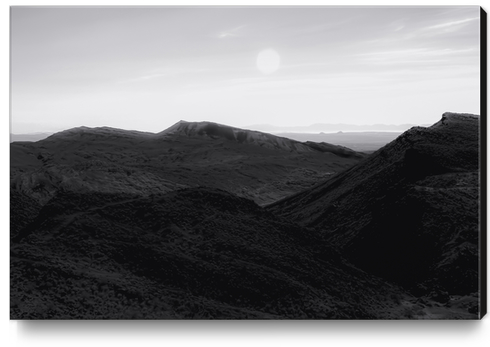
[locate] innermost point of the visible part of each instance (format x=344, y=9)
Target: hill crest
x=220, y=131
x=206, y=130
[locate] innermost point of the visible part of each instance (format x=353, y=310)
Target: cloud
x=442, y=28
x=453, y=23
x=145, y=77
x=416, y=55
x=234, y=32
x=163, y=72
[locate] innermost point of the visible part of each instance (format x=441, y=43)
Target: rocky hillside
x=192, y=253
x=409, y=212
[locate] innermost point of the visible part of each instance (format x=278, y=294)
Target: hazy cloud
x=453, y=23
x=234, y=32
x=162, y=73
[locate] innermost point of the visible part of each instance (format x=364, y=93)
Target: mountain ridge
x=313, y=128
x=215, y=130
x=394, y=212
x=256, y=165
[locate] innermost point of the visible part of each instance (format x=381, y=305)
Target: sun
x=268, y=61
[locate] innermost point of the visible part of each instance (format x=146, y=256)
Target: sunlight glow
x=268, y=61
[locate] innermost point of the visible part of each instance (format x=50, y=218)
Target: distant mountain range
x=368, y=141
x=314, y=128
x=332, y=127
x=32, y=137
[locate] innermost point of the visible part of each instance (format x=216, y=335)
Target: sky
x=146, y=68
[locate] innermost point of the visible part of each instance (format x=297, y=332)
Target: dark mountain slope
x=193, y=253
x=250, y=164
x=409, y=212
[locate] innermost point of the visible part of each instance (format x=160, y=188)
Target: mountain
x=219, y=131
x=251, y=164
x=265, y=140
x=409, y=212
x=115, y=224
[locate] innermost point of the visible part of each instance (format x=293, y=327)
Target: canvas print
x=247, y=163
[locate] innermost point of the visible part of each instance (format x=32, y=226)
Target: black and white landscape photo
x=247, y=163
